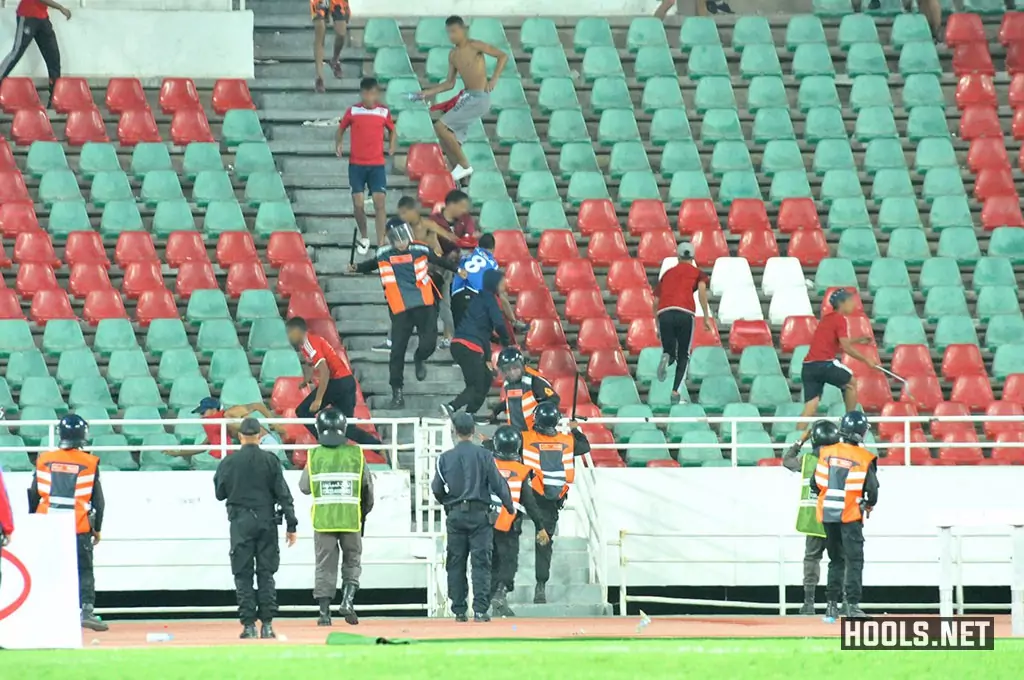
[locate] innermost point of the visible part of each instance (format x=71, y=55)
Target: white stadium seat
x=739, y=303
x=786, y=302
x=781, y=272
x=730, y=273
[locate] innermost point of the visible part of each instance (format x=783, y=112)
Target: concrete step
x=562, y=543
x=327, y=202
x=306, y=133
x=331, y=104
x=557, y=594
x=561, y=611
x=416, y=406
x=376, y=382
x=572, y=558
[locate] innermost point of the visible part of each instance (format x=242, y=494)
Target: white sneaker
x=461, y=173
x=363, y=246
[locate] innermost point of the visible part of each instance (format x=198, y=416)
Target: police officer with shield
x=252, y=483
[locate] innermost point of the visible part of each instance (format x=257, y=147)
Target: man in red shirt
x=675, y=309
x=335, y=385
x=821, y=365
x=211, y=408
x=368, y=120
x=34, y=25
x=6, y=515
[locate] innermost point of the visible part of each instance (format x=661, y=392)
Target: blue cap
x=838, y=297
x=206, y=404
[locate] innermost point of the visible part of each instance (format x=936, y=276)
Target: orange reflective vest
x=840, y=475
x=64, y=479
x=551, y=459
x=515, y=473
x=404, y=276
x=521, y=398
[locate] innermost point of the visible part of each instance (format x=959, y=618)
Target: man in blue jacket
x=471, y=346
x=476, y=263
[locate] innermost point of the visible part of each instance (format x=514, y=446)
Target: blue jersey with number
x=475, y=264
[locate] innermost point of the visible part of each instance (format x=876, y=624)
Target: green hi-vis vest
x=807, y=516
x=336, y=480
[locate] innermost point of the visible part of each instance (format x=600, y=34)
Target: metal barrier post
x=622, y=573
x=1017, y=590
x=906, y=442
x=51, y=435
x=945, y=570
x=733, y=429
x=782, y=575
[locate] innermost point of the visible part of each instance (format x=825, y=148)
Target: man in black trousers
x=33, y=24
x=465, y=479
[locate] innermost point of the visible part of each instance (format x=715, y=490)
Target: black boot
x=461, y=618
x=808, y=608
x=325, y=612
x=853, y=611
x=421, y=371
x=348, y=598
x=831, y=612
x=499, y=602
x=91, y=621
x=539, y=596
x=267, y=631
x=481, y=617
x=397, y=399
x=248, y=631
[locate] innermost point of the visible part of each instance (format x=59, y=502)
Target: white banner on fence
x=39, y=585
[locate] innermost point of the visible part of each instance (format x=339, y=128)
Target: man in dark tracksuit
x=465, y=479
x=471, y=347
x=33, y=24
x=410, y=294
x=522, y=390
x=252, y=483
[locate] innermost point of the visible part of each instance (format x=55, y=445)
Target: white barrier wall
x=143, y=44
x=521, y=8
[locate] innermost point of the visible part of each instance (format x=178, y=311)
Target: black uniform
x=252, y=483
x=464, y=482
x=27, y=30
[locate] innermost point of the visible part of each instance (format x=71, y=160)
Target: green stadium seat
x=698, y=31
x=940, y=271
x=91, y=391
x=526, y=157
x=415, y=127
x=866, y=59
x=537, y=185
x=15, y=336
x=751, y=30
x=679, y=156
x=720, y=124
x=430, y=33
x=782, y=155
x=804, y=29
x=739, y=411
x=647, y=365
x=714, y=93
x=833, y=154
x=153, y=460
x=756, y=446
x=943, y=182
x=544, y=215
x=161, y=185
x=610, y=93
x=927, y=121
x=178, y=363
x=875, y=122
x=922, y=89
x=538, y=32
x=706, y=61
x=498, y=215
x=646, y=32
x=567, y=126
x=598, y=62
x=111, y=335
x=716, y=392
x=900, y=213
x=884, y=153
x=935, y=152
x=840, y=184
x=279, y=363
x=243, y=125
x=380, y=32
x=760, y=60
x=954, y=330
x=14, y=461
x=758, y=360
x=27, y=363
x=616, y=392
x=149, y=157
x=205, y=157
x=590, y=32
x=44, y=157
x=639, y=457
x=782, y=431
x=272, y=216
x=618, y=125
x=768, y=392
x=702, y=448
x=677, y=430
x=254, y=157
x=187, y=391
x=730, y=155
x=391, y=62
x=765, y=92
x=661, y=93
x=891, y=183
x=489, y=30
x=670, y=125
x=812, y=59
x=487, y=186
x=885, y=272
x=171, y=216
x=909, y=245
x=577, y=157
x=120, y=216
x=204, y=461
x=870, y=91
x=908, y=28
x=623, y=431
x=818, y=91
x=903, y=330
x=59, y=335
x=36, y=434
x=58, y=185
x=986, y=6
x=738, y=184
x=66, y=217
x=919, y=57
x=961, y=244
x=789, y=184
x=212, y=185
x=396, y=97
x=255, y=304
x=549, y=62
x=1006, y=242
x=857, y=28
x=41, y=391
x=659, y=397
x=222, y=216
x=6, y=400
x=121, y=461
x=267, y=334
x=142, y=391
x=74, y=364
x=626, y=157
x=890, y=302
x=584, y=185
x=216, y=334
x=848, y=213
x=637, y=185
x=136, y=433
x=824, y=123
x=945, y=300
x=1008, y=359
x=1002, y=330
x=97, y=157
x=993, y=271
x=770, y=124
x=996, y=300
x=264, y=186
x=707, y=362
x=688, y=184
x=126, y=363
x=163, y=335
x=858, y=245
x=557, y=93
x=835, y=272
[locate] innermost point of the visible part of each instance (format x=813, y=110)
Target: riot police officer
x=252, y=483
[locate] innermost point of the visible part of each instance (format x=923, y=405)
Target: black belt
x=467, y=506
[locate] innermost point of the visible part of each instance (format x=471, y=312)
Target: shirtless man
x=467, y=61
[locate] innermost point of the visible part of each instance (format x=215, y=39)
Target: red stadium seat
x=606, y=247
x=948, y=409
x=610, y=462
x=85, y=247
x=195, y=275
x=134, y=246
x=1011, y=30
x=796, y=331
x=797, y=214
x=7, y=161
x=826, y=307
x=288, y=393
x=873, y=391
x=747, y=214
x=178, y=94
x=973, y=391
x=190, y=125
x=964, y=28
x=642, y=333
x=17, y=94
x=5, y=262
x=434, y=187
x=809, y=246
x=994, y=182
x=185, y=246
x=545, y=334
x=155, y=304
x=557, y=363
x=859, y=368
x=308, y=305
x=708, y=246
x=977, y=90
x=510, y=246
x=328, y=330
x=137, y=126
x=919, y=455
x=244, y=276
x=961, y=455
x=960, y=360
x=972, y=58
x=425, y=159
x=140, y=277
x=1013, y=388
x=229, y=94
x=564, y=388
x=31, y=125
x=1017, y=127
x=766, y=462
x=524, y=275
x=535, y=303
x=979, y=121
x=286, y=246
x=859, y=326
x=572, y=274
x=912, y=360
x=12, y=188
x=103, y=303
x=669, y=463
x=647, y=214
x=1002, y=211
x=1008, y=455
x=10, y=305
x=988, y=152
x=756, y=246
x=597, y=214
x=584, y=303
x=698, y=214
x=35, y=248
x=1008, y=409
x=595, y=334
x=626, y=273
x=1017, y=91
x=923, y=391
x=48, y=305
x=34, y=277
x=296, y=277
x=555, y=246
x=896, y=409
x=85, y=278
x=634, y=303
x=703, y=337
x=72, y=94
x=17, y=218
x=655, y=246
x=125, y=94
x=236, y=246
x=746, y=333
x=605, y=363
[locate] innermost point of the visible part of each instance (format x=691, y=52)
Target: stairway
x=569, y=592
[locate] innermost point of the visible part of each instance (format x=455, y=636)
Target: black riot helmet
x=72, y=432
x=507, y=443
x=330, y=427
x=824, y=433
x=853, y=427
x=399, y=234
x=546, y=417
x=511, y=363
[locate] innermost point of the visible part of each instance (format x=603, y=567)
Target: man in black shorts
x=33, y=24
x=339, y=13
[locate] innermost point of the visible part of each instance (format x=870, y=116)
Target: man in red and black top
x=675, y=309
x=34, y=25
x=368, y=121
x=335, y=385
x=6, y=516
x=822, y=366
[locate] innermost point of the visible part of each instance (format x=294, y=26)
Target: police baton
x=575, y=398
x=352, y=253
